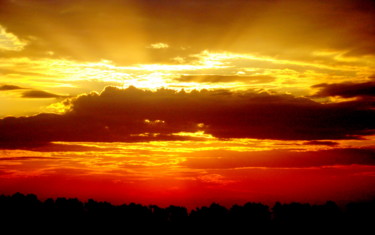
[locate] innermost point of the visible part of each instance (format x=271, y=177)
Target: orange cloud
x=280, y=159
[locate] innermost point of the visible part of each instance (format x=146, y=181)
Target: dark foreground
x=26, y=213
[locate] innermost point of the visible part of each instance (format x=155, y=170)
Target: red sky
x=188, y=102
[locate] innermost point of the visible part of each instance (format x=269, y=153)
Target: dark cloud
x=9, y=87
x=280, y=158
x=13, y=143
x=26, y=158
x=318, y=142
x=136, y=115
x=226, y=78
x=39, y=94
x=31, y=93
x=346, y=90
x=40, y=146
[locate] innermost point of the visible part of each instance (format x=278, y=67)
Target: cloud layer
x=281, y=159
x=132, y=115
x=39, y=94
x=346, y=90
x=226, y=78
x=9, y=87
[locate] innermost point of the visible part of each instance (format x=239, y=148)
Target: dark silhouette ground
x=27, y=213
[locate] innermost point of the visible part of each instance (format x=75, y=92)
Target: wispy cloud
x=9, y=41
x=40, y=94
x=159, y=45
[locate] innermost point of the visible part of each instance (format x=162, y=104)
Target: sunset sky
x=188, y=102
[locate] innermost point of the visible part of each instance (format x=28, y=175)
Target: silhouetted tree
x=26, y=212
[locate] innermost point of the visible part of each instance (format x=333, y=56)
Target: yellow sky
x=74, y=47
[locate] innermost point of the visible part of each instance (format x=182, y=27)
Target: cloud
x=280, y=158
x=39, y=94
x=159, y=45
x=318, y=142
x=226, y=78
x=346, y=90
x=21, y=70
x=48, y=147
x=9, y=41
x=131, y=115
x=9, y=87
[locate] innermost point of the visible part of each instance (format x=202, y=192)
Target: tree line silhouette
x=27, y=212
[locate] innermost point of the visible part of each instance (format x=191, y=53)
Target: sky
x=188, y=102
